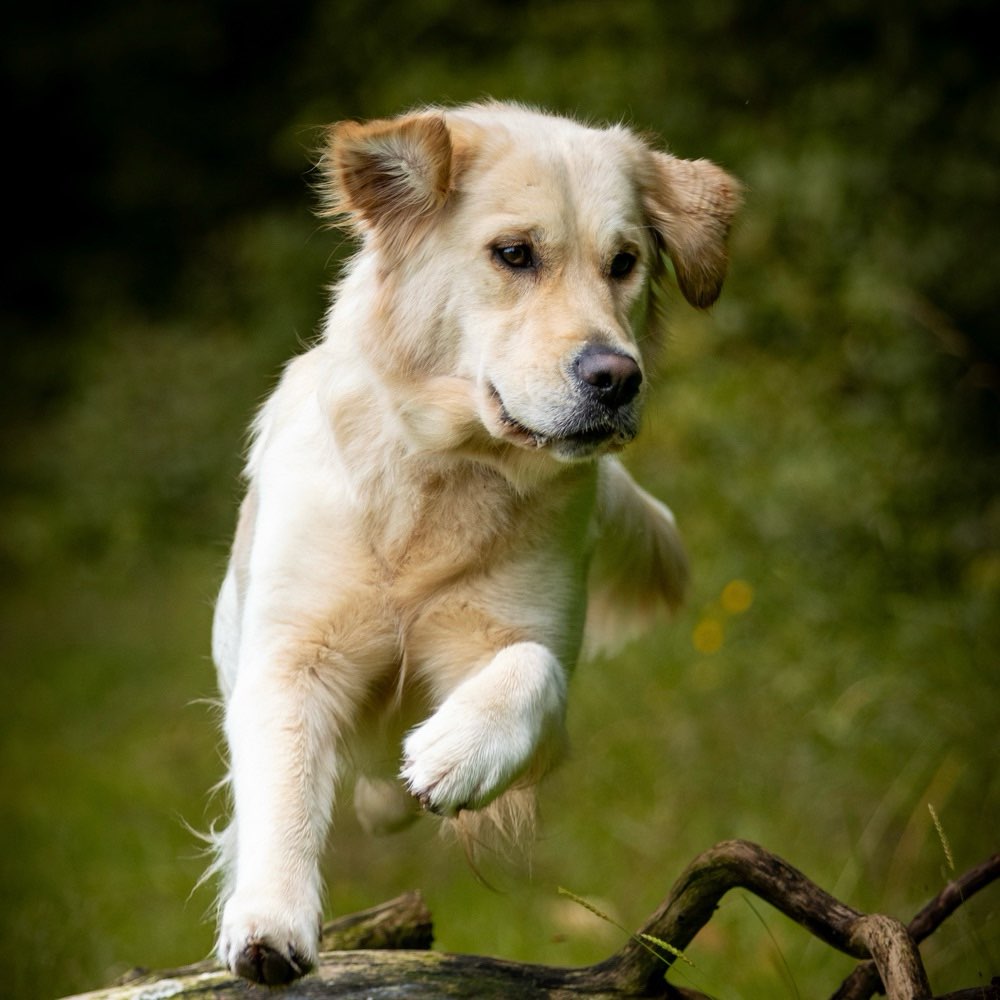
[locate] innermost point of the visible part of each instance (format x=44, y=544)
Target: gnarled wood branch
x=637, y=970
x=864, y=981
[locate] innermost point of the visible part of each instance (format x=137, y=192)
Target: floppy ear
x=387, y=176
x=691, y=204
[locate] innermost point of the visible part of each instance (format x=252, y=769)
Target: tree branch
x=865, y=981
x=740, y=864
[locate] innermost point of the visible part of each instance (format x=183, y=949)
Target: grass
x=832, y=678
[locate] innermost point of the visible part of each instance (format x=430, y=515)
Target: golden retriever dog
x=436, y=522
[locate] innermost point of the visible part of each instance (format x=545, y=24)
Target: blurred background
x=827, y=436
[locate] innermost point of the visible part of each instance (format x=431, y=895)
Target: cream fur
x=432, y=492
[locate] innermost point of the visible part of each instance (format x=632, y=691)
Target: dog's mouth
x=513, y=430
x=581, y=437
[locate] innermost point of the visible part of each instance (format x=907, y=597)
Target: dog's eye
x=622, y=264
x=515, y=255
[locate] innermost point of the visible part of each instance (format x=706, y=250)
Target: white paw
x=460, y=759
x=383, y=806
x=267, y=942
x=488, y=731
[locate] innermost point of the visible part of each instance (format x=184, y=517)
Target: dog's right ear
x=387, y=177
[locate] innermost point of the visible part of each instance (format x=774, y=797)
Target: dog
x=435, y=520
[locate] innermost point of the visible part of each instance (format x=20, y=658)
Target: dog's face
x=527, y=250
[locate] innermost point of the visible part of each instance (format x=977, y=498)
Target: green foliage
x=827, y=438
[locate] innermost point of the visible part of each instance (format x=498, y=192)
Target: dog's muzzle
x=603, y=414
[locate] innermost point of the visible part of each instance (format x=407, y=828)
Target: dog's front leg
x=281, y=736
x=492, y=728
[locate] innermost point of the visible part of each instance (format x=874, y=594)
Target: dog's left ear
x=691, y=204
x=387, y=176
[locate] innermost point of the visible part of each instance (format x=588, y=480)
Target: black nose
x=612, y=377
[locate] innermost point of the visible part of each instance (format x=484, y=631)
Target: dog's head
x=524, y=253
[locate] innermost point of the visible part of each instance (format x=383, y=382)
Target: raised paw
x=491, y=729
x=455, y=761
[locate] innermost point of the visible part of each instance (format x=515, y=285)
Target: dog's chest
x=436, y=526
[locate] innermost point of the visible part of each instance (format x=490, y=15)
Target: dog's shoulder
x=290, y=405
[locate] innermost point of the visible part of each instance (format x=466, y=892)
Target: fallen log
x=383, y=953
